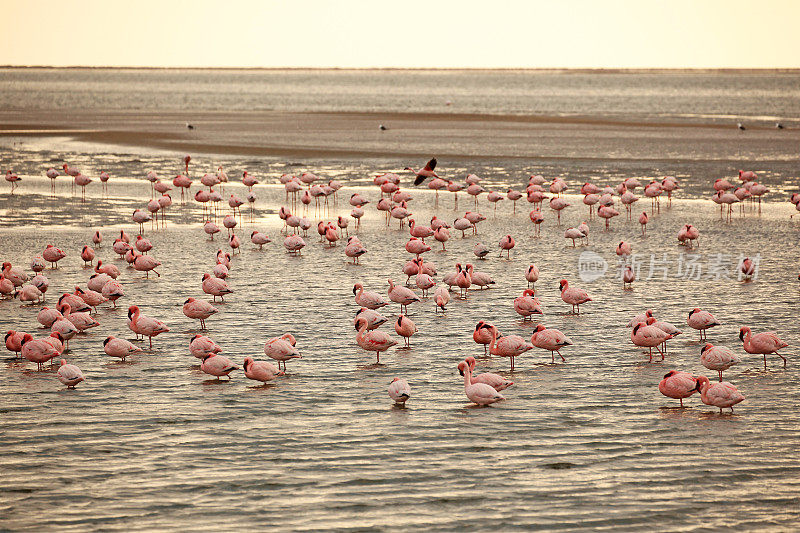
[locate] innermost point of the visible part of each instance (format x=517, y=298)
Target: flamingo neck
x=467, y=377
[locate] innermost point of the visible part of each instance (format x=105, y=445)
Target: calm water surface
x=153, y=443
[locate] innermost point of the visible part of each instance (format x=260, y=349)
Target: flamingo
x=69, y=375
x=526, y=305
x=374, y=319
x=424, y=172
x=701, y=320
x=282, y=349
x=483, y=335
x=260, y=370
x=37, y=351
x=441, y=297
x=532, y=275
x=145, y=325
x=509, y=346
x=368, y=299
x=120, y=348
x=507, y=243
x=646, y=335
x=677, y=385
x=722, y=395
x=199, y=310
x=495, y=381
x=13, y=179
x=217, y=365
x=762, y=343
x=718, y=358
x=550, y=339
x=405, y=327
x=573, y=296
x=200, y=345
x=478, y=393
x=399, y=391
x=372, y=341
x=643, y=220
x=401, y=295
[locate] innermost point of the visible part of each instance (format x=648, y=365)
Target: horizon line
x=540, y=69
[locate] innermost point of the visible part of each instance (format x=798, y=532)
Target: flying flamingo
x=425, y=172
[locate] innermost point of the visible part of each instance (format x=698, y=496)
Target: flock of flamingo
x=73, y=313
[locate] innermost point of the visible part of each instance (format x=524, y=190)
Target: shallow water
x=154, y=443
x=713, y=96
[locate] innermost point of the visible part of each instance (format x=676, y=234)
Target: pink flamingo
x=405, y=327
x=573, y=296
x=282, y=349
x=260, y=370
x=200, y=345
x=87, y=254
x=69, y=375
x=550, y=339
x=507, y=243
x=526, y=305
x=677, y=385
x=558, y=205
x=478, y=393
x=112, y=290
x=13, y=179
x=701, y=320
x=723, y=395
x=215, y=287
x=120, y=348
x=401, y=295
x=372, y=341
x=762, y=343
x=145, y=325
x=532, y=275
x=146, y=263
x=643, y=220
x=424, y=172
x=399, y=391
x=483, y=335
x=13, y=341
x=646, y=335
x=217, y=365
x=508, y=346
x=53, y=255
x=199, y=310
x=537, y=218
x=441, y=297
x=368, y=299
x=718, y=358
x=495, y=381
x=37, y=351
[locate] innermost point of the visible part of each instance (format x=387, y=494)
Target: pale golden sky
x=407, y=33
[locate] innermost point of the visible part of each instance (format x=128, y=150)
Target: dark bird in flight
x=779, y=125
x=740, y=126
x=382, y=127
x=423, y=173
x=189, y=126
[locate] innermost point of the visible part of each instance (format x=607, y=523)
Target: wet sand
x=410, y=135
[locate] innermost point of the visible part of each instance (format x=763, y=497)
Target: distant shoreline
x=782, y=70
